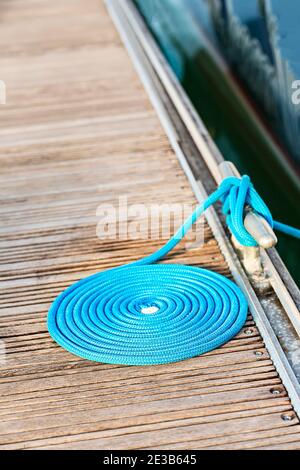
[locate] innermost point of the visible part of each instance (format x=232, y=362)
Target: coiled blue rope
x=193, y=310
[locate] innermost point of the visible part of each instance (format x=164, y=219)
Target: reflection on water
x=188, y=36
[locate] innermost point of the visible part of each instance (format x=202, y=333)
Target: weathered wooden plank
x=73, y=395
x=111, y=397
x=154, y=437
x=249, y=440
x=163, y=421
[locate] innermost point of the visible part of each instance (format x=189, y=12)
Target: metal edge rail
x=143, y=51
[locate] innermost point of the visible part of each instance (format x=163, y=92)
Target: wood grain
x=77, y=131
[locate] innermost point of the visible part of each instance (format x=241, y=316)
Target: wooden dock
x=78, y=130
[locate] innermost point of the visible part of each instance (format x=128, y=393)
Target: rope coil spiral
x=144, y=313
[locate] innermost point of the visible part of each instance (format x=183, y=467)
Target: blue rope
x=102, y=317
x=284, y=228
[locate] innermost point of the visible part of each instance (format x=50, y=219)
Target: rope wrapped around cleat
x=144, y=313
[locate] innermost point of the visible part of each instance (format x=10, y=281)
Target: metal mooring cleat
x=256, y=225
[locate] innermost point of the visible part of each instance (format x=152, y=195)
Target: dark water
x=237, y=136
